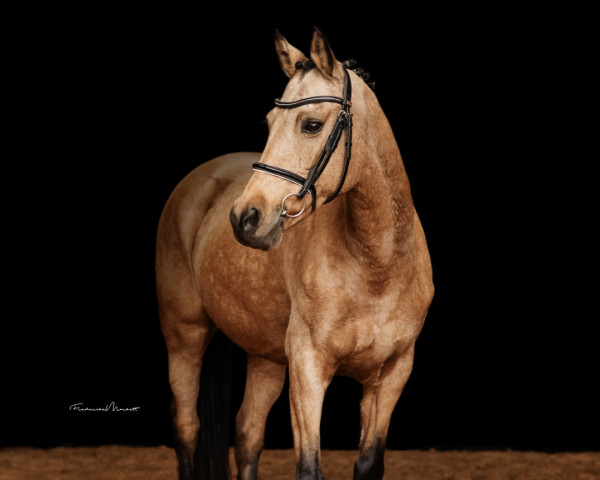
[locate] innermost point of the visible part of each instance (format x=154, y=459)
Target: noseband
x=344, y=120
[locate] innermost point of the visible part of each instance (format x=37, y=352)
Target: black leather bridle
x=344, y=121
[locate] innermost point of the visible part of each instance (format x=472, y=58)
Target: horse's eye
x=312, y=126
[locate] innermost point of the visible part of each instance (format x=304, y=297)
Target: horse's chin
x=265, y=242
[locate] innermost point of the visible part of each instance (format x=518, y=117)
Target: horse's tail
x=212, y=453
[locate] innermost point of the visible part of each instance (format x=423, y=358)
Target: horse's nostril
x=250, y=219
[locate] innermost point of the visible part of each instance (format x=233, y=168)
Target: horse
x=310, y=256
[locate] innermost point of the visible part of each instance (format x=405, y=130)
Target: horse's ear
x=321, y=54
x=288, y=55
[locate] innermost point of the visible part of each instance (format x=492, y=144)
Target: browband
x=307, y=100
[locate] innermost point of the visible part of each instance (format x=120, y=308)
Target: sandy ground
x=158, y=463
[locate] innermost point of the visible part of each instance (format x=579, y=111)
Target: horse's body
x=343, y=292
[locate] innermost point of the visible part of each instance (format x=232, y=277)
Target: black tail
x=212, y=453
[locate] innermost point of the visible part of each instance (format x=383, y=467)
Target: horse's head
x=291, y=180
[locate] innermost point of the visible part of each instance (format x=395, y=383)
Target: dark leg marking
x=309, y=467
x=245, y=458
x=369, y=465
x=185, y=459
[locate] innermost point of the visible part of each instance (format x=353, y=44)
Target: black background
x=111, y=108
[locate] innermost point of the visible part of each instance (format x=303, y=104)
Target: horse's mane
x=351, y=64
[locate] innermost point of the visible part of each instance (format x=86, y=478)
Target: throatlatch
x=344, y=121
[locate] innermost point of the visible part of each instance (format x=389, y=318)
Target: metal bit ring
x=284, y=212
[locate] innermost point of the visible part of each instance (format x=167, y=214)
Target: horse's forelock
x=307, y=65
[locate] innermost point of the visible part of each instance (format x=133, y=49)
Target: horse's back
x=203, y=188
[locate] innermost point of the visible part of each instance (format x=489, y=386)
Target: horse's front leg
x=310, y=374
x=380, y=396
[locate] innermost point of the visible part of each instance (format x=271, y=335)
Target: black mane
x=351, y=65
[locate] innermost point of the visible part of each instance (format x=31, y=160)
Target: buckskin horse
x=337, y=281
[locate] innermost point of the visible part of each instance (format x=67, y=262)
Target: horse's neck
x=380, y=208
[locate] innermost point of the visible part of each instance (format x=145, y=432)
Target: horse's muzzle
x=252, y=230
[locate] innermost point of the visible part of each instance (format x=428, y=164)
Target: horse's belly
x=257, y=331
x=242, y=289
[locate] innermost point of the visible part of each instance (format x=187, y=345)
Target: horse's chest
x=374, y=330
x=358, y=340
x=348, y=320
